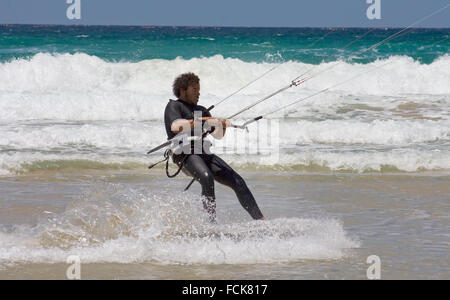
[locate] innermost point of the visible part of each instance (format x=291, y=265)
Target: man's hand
x=226, y=123
x=216, y=122
x=219, y=124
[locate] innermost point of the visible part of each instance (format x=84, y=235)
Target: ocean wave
x=62, y=111
x=83, y=87
x=136, y=137
x=312, y=160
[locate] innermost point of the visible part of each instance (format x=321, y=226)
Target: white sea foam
x=78, y=107
x=366, y=160
x=113, y=224
x=83, y=87
x=334, y=144
x=405, y=160
x=380, y=132
x=137, y=136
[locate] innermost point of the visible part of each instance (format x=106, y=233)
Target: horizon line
x=217, y=26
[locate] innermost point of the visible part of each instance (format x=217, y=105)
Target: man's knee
x=206, y=178
x=239, y=182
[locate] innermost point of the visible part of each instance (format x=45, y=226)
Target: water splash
x=112, y=223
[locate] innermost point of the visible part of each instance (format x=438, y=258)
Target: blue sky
x=253, y=13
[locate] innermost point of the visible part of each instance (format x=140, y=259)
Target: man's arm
x=220, y=126
x=184, y=125
x=175, y=120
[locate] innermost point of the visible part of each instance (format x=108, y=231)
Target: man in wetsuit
x=202, y=165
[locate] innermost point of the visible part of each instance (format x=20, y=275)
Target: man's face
x=192, y=93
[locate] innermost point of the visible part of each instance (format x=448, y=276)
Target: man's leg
x=224, y=174
x=197, y=167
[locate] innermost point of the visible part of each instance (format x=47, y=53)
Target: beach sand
x=340, y=218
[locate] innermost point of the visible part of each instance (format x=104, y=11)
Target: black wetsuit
x=206, y=168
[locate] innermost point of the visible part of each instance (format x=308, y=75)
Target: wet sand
x=402, y=218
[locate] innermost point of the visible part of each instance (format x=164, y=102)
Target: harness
x=177, y=145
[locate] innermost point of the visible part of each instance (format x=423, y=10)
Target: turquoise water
x=307, y=45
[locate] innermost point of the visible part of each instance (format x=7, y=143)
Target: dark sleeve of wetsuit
x=206, y=113
x=176, y=110
x=172, y=113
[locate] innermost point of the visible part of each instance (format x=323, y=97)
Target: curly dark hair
x=183, y=81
